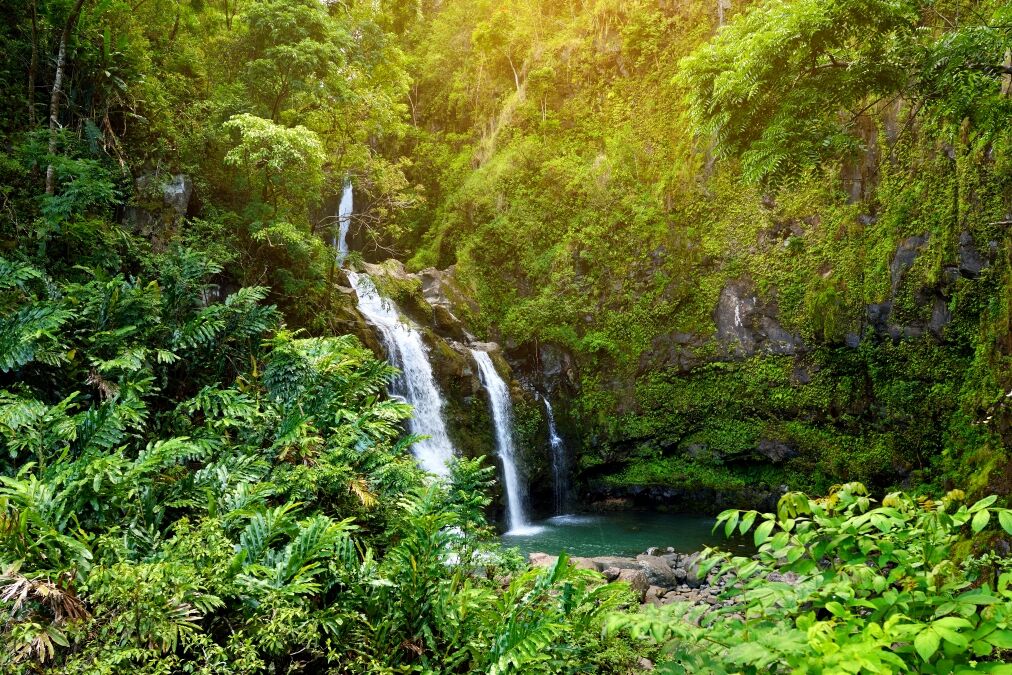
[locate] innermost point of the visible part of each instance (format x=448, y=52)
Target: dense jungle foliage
x=200, y=472
x=603, y=174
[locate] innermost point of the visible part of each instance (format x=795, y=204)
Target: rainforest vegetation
x=757, y=251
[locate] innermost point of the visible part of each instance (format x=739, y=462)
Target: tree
x=57, y=91
x=285, y=165
x=783, y=85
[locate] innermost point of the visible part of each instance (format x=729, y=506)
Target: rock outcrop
x=160, y=202
x=747, y=325
x=659, y=578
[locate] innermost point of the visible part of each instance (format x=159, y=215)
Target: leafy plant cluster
x=600, y=173
x=186, y=486
x=841, y=585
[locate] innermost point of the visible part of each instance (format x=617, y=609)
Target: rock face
x=160, y=202
x=746, y=325
x=676, y=350
x=882, y=317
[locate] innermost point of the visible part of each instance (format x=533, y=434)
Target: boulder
x=692, y=576
x=620, y=562
x=657, y=571
x=637, y=581
x=654, y=594
x=584, y=564
x=611, y=573
x=541, y=559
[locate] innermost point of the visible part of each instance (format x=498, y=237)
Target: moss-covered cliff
x=847, y=317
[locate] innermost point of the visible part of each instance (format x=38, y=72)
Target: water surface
x=623, y=533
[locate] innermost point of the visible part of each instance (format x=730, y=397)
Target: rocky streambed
x=659, y=576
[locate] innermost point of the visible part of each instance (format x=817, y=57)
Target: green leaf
x=1002, y=639
x=980, y=520
x=926, y=643
x=983, y=503
x=762, y=533
x=1005, y=519
x=746, y=522
x=731, y=523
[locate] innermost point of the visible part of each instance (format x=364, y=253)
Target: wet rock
x=676, y=350
x=692, y=577
x=176, y=193
x=903, y=259
x=972, y=262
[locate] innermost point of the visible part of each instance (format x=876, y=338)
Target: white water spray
x=344, y=211
x=560, y=468
x=502, y=418
x=416, y=384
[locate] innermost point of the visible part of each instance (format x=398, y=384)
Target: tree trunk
x=54, y=100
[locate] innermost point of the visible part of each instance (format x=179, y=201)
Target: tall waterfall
x=502, y=418
x=415, y=384
x=344, y=212
x=560, y=468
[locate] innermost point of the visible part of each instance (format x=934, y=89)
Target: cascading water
x=560, y=468
x=502, y=418
x=344, y=211
x=415, y=384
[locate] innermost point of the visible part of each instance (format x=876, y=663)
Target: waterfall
x=560, y=468
x=344, y=212
x=415, y=384
x=502, y=418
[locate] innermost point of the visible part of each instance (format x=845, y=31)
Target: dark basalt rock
x=746, y=325
x=676, y=350
x=971, y=261
x=775, y=451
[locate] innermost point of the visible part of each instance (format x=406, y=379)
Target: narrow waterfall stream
x=416, y=384
x=502, y=418
x=344, y=211
x=560, y=466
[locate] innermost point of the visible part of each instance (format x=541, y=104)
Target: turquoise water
x=624, y=533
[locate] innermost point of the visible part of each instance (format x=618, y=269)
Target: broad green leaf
x=980, y=520
x=926, y=643
x=731, y=523
x=1002, y=639
x=746, y=522
x=1005, y=519
x=983, y=503
x=762, y=533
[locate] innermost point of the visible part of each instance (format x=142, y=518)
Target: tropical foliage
x=201, y=472
x=844, y=587
x=189, y=487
